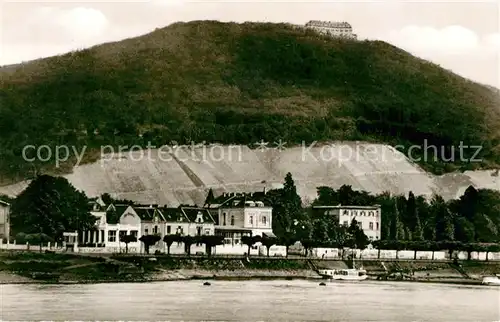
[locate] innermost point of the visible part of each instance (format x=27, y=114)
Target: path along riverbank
x=31, y=267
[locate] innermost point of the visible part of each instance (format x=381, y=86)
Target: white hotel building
x=332, y=28
x=368, y=217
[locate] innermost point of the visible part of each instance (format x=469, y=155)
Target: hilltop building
x=4, y=220
x=368, y=217
x=331, y=28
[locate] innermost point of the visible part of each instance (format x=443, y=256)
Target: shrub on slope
x=240, y=83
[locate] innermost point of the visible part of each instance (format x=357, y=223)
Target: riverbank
x=37, y=268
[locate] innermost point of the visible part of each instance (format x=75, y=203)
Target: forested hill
x=240, y=83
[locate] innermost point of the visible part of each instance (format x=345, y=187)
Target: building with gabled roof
x=192, y=221
x=4, y=220
x=241, y=214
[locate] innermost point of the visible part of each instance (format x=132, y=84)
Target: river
x=251, y=301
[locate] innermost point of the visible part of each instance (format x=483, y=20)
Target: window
x=264, y=220
x=377, y=226
x=360, y=224
x=102, y=236
x=354, y=213
x=122, y=233
x=363, y=213
x=223, y=219
x=155, y=230
x=345, y=213
x=145, y=231
x=112, y=236
x=371, y=225
x=232, y=220
x=207, y=231
x=370, y=213
x=134, y=233
x=169, y=229
x=251, y=220
x=346, y=223
x=180, y=231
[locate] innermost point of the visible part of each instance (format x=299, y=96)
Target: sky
x=462, y=36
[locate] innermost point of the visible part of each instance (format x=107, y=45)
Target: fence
x=334, y=253
x=240, y=250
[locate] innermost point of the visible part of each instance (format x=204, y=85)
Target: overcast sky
x=461, y=36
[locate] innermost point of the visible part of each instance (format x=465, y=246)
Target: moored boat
x=345, y=274
x=491, y=280
x=349, y=274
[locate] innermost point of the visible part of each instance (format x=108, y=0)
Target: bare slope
x=185, y=176
x=237, y=84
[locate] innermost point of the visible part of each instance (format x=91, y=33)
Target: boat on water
x=491, y=280
x=345, y=274
x=349, y=274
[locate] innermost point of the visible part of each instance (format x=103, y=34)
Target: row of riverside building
x=231, y=215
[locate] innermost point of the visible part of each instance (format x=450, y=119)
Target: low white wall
x=14, y=246
x=275, y=250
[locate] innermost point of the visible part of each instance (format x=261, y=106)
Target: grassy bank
x=29, y=267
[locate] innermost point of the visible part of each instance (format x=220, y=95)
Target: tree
x=287, y=240
x=418, y=232
x=250, y=241
x=444, y=223
x=320, y=233
x=210, y=242
x=106, y=198
x=51, y=206
x=170, y=239
x=342, y=238
x=308, y=244
x=268, y=242
x=148, y=241
x=464, y=229
x=287, y=207
x=358, y=236
x=210, y=197
x=128, y=239
x=397, y=229
x=188, y=242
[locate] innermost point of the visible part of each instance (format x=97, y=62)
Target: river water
x=251, y=301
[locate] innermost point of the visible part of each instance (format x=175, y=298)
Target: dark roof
x=192, y=214
x=224, y=199
x=112, y=217
x=173, y=214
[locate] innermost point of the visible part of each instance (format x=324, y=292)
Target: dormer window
x=199, y=217
x=264, y=220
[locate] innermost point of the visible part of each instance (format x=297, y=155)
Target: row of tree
x=474, y=217
x=50, y=206
x=472, y=221
x=210, y=241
